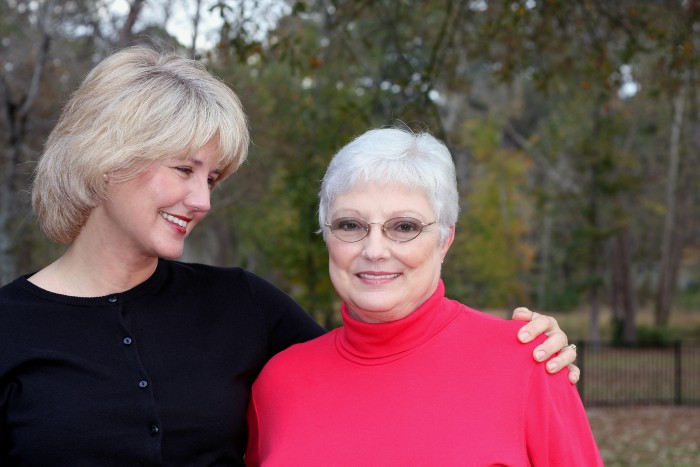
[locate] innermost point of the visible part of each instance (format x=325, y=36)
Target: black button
x=127, y=341
x=143, y=383
x=154, y=430
x=112, y=299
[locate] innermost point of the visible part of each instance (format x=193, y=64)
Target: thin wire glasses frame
x=397, y=229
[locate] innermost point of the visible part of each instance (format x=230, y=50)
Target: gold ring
x=572, y=346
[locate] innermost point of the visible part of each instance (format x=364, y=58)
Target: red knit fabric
x=445, y=386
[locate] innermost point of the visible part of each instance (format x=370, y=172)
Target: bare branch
x=195, y=26
x=39, y=64
x=564, y=183
x=127, y=29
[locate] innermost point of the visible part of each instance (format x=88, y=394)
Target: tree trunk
x=594, y=275
x=126, y=34
x=667, y=272
x=195, y=27
x=16, y=110
x=624, y=298
x=594, y=310
x=545, y=256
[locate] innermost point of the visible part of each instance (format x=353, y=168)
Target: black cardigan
x=157, y=375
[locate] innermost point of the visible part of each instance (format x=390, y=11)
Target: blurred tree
x=33, y=79
x=574, y=128
x=491, y=253
x=47, y=48
x=551, y=73
x=572, y=48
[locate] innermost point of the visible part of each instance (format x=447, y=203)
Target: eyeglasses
x=398, y=229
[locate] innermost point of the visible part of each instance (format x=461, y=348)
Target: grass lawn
x=647, y=436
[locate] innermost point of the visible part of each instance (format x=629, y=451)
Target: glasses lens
x=349, y=229
x=402, y=229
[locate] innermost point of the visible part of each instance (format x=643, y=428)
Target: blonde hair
x=136, y=107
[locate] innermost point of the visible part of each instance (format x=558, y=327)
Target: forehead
x=209, y=155
x=374, y=199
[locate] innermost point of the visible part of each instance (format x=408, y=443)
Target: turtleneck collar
x=375, y=344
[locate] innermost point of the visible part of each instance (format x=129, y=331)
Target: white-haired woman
x=115, y=354
x=398, y=384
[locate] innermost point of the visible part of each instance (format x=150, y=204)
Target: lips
x=376, y=276
x=179, y=220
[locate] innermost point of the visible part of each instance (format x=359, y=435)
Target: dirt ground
x=647, y=436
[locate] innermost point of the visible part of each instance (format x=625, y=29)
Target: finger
x=522, y=314
x=564, y=358
x=539, y=324
x=574, y=374
x=556, y=340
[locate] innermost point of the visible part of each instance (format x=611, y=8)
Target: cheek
x=421, y=256
x=340, y=257
x=338, y=271
x=334, y=255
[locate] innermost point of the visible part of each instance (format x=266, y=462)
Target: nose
x=199, y=197
x=375, y=244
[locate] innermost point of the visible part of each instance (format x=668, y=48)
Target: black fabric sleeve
x=3, y=424
x=287, y=322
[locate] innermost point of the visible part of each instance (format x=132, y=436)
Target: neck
x=89, y=268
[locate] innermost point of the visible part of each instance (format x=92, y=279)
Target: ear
x=448, y=242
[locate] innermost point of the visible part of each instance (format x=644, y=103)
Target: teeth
x=375, y=277
x=173, y=219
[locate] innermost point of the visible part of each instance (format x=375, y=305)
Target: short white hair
x=393, y=155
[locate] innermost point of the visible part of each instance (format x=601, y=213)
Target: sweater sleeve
x=287, y=322
x=557, y=429
x=252, y=454
x=5, y=390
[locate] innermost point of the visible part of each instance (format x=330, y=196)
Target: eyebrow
x=199, y=163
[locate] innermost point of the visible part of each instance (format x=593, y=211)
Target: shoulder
x=231, y=278
x=254, y=299
x=488, y=323
x=312, y=354
x=493, y=335
x=16, y=298
x=10, y=297
x=8, y=292
x=198, y=271
x=231, y=285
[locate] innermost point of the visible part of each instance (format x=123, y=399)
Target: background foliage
x=573, y=125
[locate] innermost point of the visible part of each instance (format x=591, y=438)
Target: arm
x=556, y=342
x=252, y=454
x=287, y=322
x=4, y=435
x=557, y=431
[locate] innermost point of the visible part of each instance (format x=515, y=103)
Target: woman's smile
x=381, y=279
x=375, y=277
x=179, y=221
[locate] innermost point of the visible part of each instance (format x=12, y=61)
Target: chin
x=377, y=310
x=170, y=254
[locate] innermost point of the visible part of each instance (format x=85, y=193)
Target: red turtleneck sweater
x=447, y=385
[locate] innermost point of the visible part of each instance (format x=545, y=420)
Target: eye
x=213, y=178
x=348, y=224
x=184, y=169
x=404, y=225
